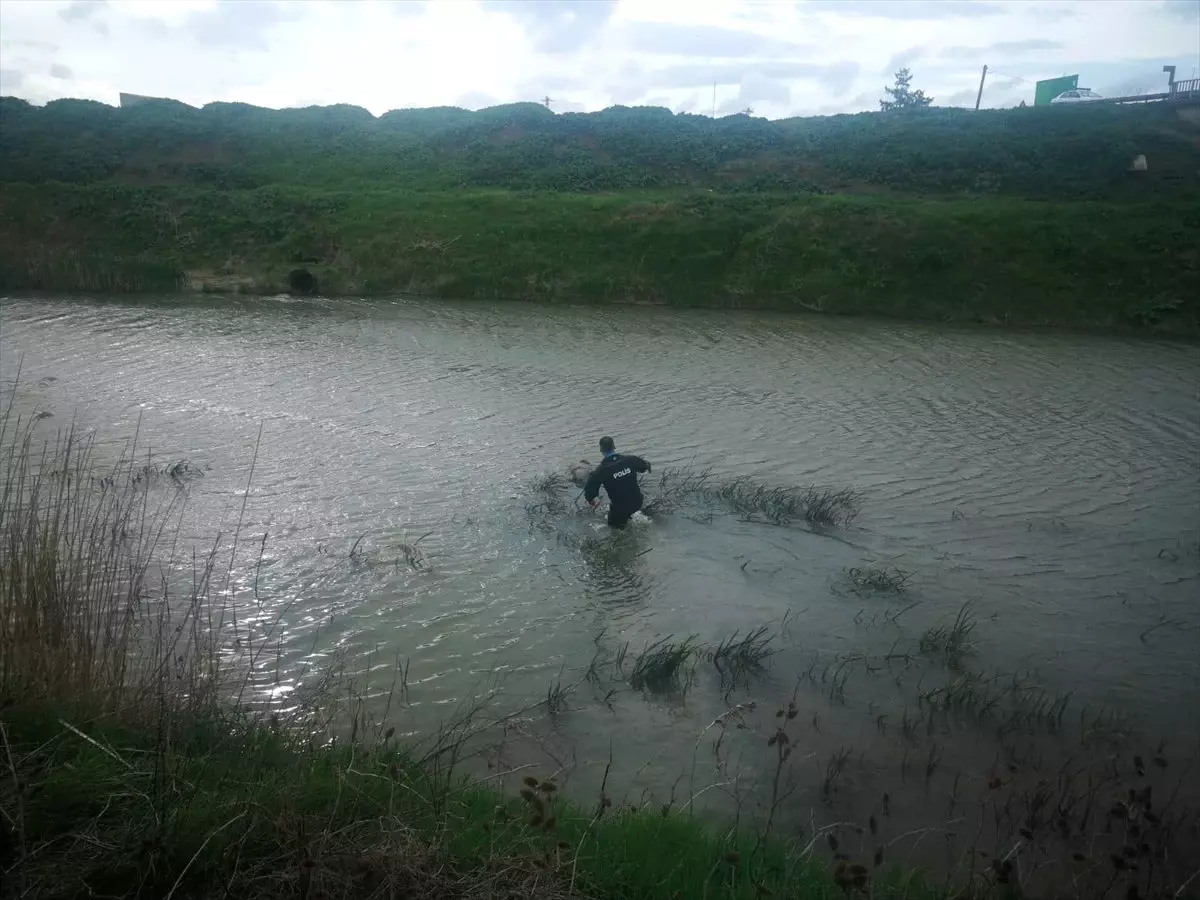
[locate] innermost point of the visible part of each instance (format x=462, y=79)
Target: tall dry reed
x=88, y=615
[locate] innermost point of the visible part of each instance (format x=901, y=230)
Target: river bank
x=206, y=805
x=1079, y=264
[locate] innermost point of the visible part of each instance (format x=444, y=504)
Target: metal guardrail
x=1188, y=88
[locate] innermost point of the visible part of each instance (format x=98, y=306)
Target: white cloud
x=782, y=58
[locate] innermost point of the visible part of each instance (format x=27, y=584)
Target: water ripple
x=1048, y=477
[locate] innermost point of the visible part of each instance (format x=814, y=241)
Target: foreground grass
x=1023, y=262
x=207, y=808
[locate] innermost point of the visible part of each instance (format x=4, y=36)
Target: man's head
x=607, y=445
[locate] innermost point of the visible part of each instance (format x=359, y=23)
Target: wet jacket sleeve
x=591, y=490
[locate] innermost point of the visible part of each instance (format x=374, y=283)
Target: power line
x=1013, y=77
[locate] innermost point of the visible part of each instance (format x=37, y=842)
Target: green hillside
x=1026, y=216
x=1048, y=153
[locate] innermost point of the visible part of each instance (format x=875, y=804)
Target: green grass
x=997, y=261
x=211, y=807
x=1022, y=217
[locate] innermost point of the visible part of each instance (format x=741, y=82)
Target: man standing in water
x=618, y=474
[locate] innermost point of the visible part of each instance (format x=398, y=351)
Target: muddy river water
x=1047, y=484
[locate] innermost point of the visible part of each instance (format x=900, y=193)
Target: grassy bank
x=1027, y=217
x=1084, y=263
x=214, y=807
x=134, y=766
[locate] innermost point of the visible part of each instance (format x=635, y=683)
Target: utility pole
x=714, y=108
x=979, y=96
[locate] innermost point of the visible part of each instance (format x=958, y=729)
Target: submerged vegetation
x=663, y=663
x=888, y=579
x=952, y=641
x=668, y=665
x=680, y=488
x=754, y=501
x=739, y=655
x=1005, y=216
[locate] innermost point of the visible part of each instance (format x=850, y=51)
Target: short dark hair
x=607, y=445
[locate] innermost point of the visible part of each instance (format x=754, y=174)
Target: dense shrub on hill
x=1073, y=152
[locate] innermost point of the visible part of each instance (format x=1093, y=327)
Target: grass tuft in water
x=952, y=642
x=1011, y=700
x=557, y=695
x=413, y=555
x=783, y=505
x=738, y=655
x=754, y=501
x=661, y=665
x=889, y=579
x=835, y=766
x=549, y=483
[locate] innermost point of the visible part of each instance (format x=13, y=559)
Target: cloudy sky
x=780, y=57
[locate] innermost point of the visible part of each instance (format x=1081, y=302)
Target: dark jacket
x=618, y=475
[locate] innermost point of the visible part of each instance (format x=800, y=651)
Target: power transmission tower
x=546, y=100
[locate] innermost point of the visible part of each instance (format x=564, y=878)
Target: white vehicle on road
x=1077, y=95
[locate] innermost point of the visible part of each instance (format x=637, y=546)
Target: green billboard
x=1050, y=88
